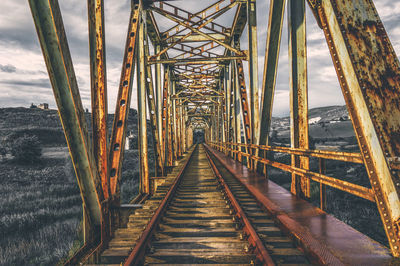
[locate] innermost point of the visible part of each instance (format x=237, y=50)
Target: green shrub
x=26, y=149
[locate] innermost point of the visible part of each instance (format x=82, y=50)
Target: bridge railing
x=249, y=151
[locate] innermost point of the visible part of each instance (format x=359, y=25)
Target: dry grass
x=40, y=209
x=40, y=204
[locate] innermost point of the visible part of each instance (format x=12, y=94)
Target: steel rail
x=140, y=247
x=254, y=239
x=317, y=253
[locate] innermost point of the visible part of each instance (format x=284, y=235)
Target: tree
x=311, y=143
x=3, y=151
x=26, y=149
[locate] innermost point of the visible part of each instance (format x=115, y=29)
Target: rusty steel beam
x=165, y=116
x=197, y=50
x=198, y=15
x=193, y=61
x=53, y=41
x=144, y=187
x=231, y=105
x=170, y=150
x=182, y=123
x=228, y=95
x=350, y=157
x=253, y=69
x=197, y=30
x=298, y=93
x=369, y=75
x=223, y=117
x=189, y=133
x=243, y=101
x=178, y=129
x=174, y=123
x=159, y=100
x=218, y=122
x=196, y=38
x=151, y=102
x=322, y=187
x=118, y=135
x=351, y=188
x=237, y=109
x=274, y=33
x=201, y=24
x=238, y=24
x=98, y=85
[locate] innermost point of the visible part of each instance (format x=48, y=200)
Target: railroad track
x=205, y=217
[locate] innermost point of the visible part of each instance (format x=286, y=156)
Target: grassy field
x=40, y=206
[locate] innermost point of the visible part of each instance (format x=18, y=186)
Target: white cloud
x=24, y=79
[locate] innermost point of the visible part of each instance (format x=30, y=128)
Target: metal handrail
x=354, y=189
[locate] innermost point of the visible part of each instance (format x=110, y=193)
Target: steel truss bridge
x=213, y=203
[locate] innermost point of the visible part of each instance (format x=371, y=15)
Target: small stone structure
x=128, y=140
x=44, y=106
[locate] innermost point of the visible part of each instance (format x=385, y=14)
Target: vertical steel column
x=298, y=93
x=165, y=118
x=190, y=142
x=98, y=85
x=238, y=112
x=142, y=116
x=159, y=98
x=118, y=135
x=244, y=108
x=322, y=187
x=182, y=123
x=174, y=125
x=50, y=29
x=218, y=121
x=153, y=111
x=212, y=124
x=253, y=69
x=227, y=93
x=231, y=108
x=221, y=101
x=184, y=119
x=368, y=70
x=178, y=129
x=170, y=150
x=274, y=33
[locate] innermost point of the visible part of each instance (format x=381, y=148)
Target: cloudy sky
x=24, y=79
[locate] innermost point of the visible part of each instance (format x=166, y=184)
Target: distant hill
x=330, y=122
x=45, y=124
x=328, y=113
